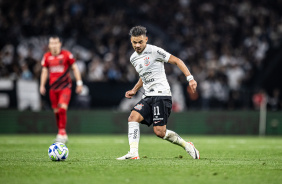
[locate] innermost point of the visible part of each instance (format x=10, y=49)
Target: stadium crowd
x=222, y=42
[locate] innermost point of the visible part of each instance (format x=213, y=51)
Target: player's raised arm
x=43, y=80
x=131, y=93
x=77, y=76
x=180, y=64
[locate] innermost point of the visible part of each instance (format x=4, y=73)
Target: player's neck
x=57, y=53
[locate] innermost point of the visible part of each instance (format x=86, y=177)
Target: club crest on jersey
x=146, y=61
x=138, y=106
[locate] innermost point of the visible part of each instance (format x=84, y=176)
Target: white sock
x=133, y=136
x=173, y=137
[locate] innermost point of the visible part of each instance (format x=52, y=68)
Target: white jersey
x=150, y=66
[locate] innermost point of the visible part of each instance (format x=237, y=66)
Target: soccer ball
x=58, y=152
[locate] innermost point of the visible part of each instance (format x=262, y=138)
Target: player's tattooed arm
x=131, y=93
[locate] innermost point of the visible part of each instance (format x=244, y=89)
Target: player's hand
x=78, y=89
x=193, y=85
x=42, y=90
x=130, y=93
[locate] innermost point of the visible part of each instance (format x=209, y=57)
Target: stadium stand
x=224, y=43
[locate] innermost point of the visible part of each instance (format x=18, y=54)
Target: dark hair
x=56, y=36
x=138, y=31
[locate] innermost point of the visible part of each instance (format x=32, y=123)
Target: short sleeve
x=70, y=57
x=44, y=62
x=161, y=54
x=132, y=58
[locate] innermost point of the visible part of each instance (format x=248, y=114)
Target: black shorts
x=154, y=109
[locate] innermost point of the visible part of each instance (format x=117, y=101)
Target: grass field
x=224, y=159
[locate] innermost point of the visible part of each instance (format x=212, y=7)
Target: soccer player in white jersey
x=155, y=107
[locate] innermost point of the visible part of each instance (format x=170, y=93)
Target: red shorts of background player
x=60, y=97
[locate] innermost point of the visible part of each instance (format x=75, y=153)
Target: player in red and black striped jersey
x=58, y=63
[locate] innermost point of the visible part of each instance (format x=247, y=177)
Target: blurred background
x=232, y=47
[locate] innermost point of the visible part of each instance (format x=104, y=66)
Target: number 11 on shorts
x=156, y=111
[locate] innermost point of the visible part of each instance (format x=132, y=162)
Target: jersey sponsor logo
x=161, y=53
x=149, y=81
x=138, y=106
x=147, y=52
x=158, y=119
x=57, y=69
x=60, y=56
x=146, y=61
x=50, y=57
x=145, y=74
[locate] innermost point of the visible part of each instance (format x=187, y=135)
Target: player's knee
x=135, y=117
x=62, y=111
x=159, y=133
x=63, y=106
x=56, y=110
x=132, y=118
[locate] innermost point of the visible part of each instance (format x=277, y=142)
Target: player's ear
x=146, y=38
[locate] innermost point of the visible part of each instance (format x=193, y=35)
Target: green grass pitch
x=224, y=159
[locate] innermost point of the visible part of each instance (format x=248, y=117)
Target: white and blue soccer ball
x=58, y=152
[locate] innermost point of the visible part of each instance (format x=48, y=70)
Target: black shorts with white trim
x=154, y=109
